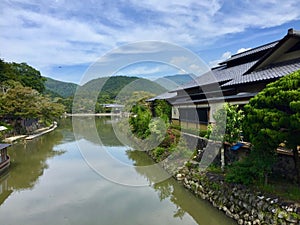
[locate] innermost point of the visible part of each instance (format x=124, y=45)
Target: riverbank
x=90, y=114
x=244, y=204
x=36, y=134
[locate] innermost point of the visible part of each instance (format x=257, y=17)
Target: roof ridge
x=270, y=43
x=276, y=64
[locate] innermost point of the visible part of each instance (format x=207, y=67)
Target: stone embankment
x=244, y=205
x=36, y=133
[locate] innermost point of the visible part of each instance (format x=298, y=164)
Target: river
x=51, y=182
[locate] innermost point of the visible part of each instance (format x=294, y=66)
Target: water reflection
x=50, y=183
x=5, y=191
x=28, y=162
x=104, y=130
x=186, y=203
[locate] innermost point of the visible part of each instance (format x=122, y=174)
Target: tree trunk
x=222, y=158
x=297, y=163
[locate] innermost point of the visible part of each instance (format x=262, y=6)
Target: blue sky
x=62, y=38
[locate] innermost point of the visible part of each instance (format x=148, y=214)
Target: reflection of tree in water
x=28, y=160
x=179, y=213
x=185, y=202
x=4, y=190
x=165, y=189
x=85, y=128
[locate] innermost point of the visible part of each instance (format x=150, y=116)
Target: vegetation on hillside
x=116, y=89
x=62, y=89
x=23, y=106
x=23, y=73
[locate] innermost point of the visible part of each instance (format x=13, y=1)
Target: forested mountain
x=63, y=89
x=106, y=89
x=116, y=85
x=110, y=86
x=26, y=75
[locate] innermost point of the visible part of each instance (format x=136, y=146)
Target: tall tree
x=26, y=103
x=23, y=73
x=273, y=117
x=232, y=117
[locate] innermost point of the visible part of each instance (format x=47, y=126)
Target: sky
x=64, y=38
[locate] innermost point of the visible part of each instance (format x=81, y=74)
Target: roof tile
x=276, y=71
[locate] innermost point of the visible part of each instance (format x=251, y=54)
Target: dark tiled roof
x=219, y=74
x=166, y=95
x=252, y=51
x=2, y=146
x=187, y=100
x=232, y=72
x=243, y=70
x=274, y=71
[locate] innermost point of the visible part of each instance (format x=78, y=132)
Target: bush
x=203, y=133
x=241, y=172
x=160, y=153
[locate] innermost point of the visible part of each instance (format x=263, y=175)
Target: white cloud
x=47, y=33
x=242, y=50
x=189, y=65
x=225, y=55
x=144, y=69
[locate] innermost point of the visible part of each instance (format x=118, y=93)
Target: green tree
x=67, y=102
x=26, y=103
x=163, y=110
x=19, y=101
x=140, y=120
x=48, y=110
x=232, y=117
x=23, y=73
x=227, y=128
x=273, y=117
x=140, y=113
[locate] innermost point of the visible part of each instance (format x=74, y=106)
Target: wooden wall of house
x=190, y=125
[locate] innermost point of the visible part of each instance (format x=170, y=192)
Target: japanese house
x=235, y=80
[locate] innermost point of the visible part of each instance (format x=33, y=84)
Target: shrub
x=241, y=172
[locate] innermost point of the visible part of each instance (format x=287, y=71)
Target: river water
x=51, y=182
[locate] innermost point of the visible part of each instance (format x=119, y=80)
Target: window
x=195, y=115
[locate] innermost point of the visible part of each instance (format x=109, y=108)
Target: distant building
x=235, y=80
x=113, y=108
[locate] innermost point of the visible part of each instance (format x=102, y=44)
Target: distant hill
x=61, y=88
x=111, y=87
x=173, y=81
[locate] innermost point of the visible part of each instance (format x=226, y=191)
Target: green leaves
x=25, y=102
x=273, y=117
x=23, y=73
x=233, y=118
x=277, y=108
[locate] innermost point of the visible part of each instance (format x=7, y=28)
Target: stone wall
x=237, y=201
x=285, y=168
x=246, y=206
